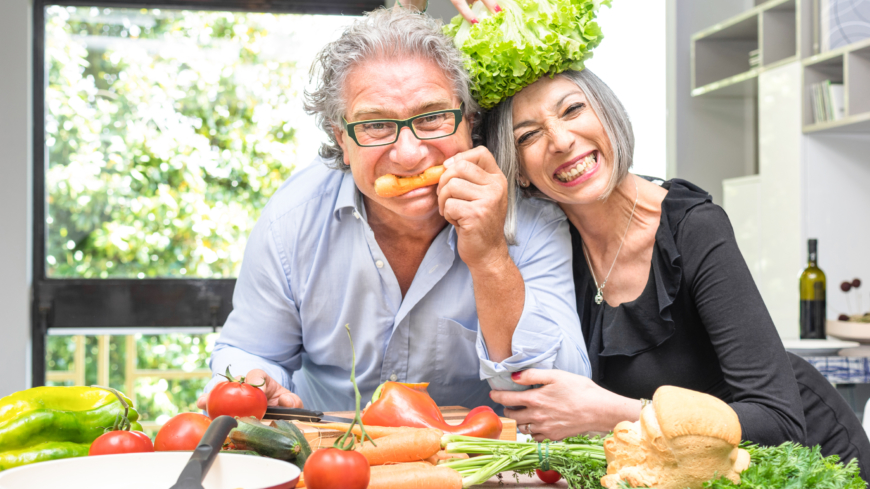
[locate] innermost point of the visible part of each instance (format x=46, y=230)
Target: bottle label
x=813, y=315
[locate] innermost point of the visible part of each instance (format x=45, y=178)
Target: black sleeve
x=754, y=362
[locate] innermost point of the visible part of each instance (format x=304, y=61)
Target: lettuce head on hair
x=526, y=40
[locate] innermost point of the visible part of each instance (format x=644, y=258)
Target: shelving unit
x=811, y=178
x=720, y=54
x=849, y=65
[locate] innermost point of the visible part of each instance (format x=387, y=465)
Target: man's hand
x=275, y=392
x=472, y=195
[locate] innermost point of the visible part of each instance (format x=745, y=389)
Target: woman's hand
x=566, y=405
x=464, y=8
x=276, y=393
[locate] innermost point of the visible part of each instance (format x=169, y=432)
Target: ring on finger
x=529, y=428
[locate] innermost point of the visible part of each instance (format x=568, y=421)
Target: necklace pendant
x=599, y=298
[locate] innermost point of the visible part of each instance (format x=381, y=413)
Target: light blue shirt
x=312, y=265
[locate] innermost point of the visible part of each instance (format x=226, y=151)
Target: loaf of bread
x=683, y=439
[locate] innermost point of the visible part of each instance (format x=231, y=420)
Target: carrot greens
x=581, y=461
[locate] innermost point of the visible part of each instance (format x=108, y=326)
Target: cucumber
x=267, y=441
x=294, y=431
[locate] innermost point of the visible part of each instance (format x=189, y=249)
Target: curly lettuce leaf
x=525, y=41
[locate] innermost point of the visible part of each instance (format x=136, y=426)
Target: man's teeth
x=578, y=169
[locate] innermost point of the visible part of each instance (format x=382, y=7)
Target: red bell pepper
x=400, y=405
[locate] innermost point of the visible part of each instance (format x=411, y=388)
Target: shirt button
x=394, y=377
x=379, y=264
x=356, y=214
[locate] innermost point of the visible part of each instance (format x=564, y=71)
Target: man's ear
x=339, y=138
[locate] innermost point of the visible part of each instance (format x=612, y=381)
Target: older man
x=417, y=277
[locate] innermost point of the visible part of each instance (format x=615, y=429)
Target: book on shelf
x=754, y=58
x=828, y=101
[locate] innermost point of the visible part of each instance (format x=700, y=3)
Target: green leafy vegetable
x=791, y=466
x=525, y=41
x=581, y=462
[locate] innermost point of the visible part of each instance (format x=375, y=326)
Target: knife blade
x=274, y=412
x=335, y=419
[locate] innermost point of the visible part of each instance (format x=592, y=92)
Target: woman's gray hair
x=381, y=34
x=499, y=134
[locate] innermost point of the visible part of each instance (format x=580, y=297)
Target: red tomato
x=121, y=442
x=331, y=468
x=236, y=399
x=548, y=476
x=182, y=432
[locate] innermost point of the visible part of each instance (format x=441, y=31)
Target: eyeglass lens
x=430, y=126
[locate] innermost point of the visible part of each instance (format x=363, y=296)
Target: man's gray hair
x=499, y=134
x=383, y=33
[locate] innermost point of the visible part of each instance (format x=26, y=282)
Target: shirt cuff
x=240, y=363
x=535, y=343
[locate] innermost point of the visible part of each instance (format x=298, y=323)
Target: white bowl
x=156, y=470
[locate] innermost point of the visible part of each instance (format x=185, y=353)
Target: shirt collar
x=348, y=197
x=350, y=200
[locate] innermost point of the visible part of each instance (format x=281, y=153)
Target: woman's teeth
x=578, y=169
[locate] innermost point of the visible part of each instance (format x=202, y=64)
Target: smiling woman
x=662, y=292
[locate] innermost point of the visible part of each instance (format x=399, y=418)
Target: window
x=165, y=133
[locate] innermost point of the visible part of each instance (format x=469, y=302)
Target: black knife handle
x=206, y=452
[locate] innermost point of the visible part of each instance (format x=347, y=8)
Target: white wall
x=708, y=139
x=15, y=121
x=631, y=60
x=837, y=212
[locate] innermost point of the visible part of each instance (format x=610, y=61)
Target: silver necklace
x=599, y=297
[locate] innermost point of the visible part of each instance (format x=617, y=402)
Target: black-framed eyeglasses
x=381, y=132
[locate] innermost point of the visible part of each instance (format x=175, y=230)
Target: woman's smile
x=578, y=170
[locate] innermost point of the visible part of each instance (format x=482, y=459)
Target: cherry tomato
x=121, y=442
x=237, y=399
x=548, y=476
x=182, y=432
x=332, y=468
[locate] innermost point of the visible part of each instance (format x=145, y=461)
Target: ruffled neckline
x=645, y=323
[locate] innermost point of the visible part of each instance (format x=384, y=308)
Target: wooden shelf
x=856, y=124
x=849, y=65
x=720, y=54
x=740, y=85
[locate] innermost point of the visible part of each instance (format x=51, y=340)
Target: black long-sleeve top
x=700, y=323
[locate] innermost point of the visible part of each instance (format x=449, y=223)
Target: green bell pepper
x=42, y=452
x=47, y=423
x=44, y=425
x=57, y=398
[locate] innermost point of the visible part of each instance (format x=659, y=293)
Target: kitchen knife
x=273, y=412
x=206, y=451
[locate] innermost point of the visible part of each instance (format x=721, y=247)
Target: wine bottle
x=813, y=293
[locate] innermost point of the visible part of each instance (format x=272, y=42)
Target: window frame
x=66, y=303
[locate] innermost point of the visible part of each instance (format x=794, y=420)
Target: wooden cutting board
x=320, y=438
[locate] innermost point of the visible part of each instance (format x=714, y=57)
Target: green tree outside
x=167, y=132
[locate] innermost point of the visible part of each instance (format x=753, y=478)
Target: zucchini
x=267, y=441
x=295, y=432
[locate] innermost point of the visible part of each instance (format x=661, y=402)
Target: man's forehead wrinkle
x=396, y=90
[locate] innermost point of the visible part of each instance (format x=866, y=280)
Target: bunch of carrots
x=399, y=455
x=402, y=455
